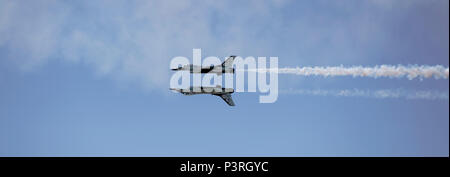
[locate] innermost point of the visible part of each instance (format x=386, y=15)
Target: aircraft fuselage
x=218, y=69
x=204, y=90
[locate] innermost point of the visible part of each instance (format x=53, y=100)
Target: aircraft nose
x=175, y=89
x=176, y=69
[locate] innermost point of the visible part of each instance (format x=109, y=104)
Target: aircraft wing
x=227, y=98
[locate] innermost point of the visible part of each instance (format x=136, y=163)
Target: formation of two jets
x=224, y=93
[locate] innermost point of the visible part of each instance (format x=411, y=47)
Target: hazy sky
x=91, y=78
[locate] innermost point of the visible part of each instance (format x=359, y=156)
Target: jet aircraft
x=225, y=67
x=224, y=93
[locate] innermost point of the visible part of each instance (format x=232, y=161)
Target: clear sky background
x=91, y=78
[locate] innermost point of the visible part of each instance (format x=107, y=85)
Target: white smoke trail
x=386, y=93
x=390, y=71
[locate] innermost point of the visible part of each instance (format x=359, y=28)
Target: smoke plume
x=389, y=71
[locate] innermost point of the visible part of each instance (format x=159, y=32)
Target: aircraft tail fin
x=229, y=61
x=227, y=98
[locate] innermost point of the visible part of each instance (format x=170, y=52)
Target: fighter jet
x=224, y=93
x=225, y=67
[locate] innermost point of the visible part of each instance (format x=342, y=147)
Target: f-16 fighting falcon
x=224, y=93
x=225, y=67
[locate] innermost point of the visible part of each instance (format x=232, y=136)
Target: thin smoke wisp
x=380, y=94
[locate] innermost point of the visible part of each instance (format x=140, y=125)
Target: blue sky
x=91, y=78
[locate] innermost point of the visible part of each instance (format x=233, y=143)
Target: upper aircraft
x=225, y=67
